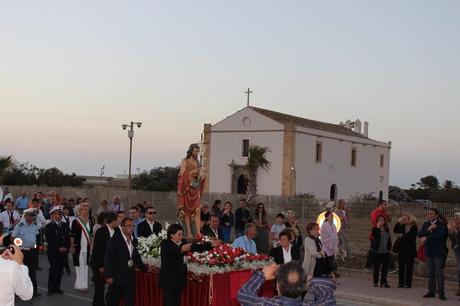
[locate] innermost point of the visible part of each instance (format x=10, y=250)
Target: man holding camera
x=14, y=277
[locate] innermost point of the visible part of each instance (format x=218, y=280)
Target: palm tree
x=5, y=163
x=256, y=159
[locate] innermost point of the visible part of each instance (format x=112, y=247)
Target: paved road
x=72, y=297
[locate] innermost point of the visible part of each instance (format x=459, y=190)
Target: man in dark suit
x=101, y=238
x=213, y=230
x=433, y=235
x=57, y=235
x=149, y=226
x=173, y=270
x=121, y=256
x=285, y=253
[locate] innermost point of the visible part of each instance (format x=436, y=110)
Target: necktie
x=11, y=218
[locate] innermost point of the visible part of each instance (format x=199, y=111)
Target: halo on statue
x=321, y=218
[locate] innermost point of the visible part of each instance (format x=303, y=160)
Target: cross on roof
x=248, y=92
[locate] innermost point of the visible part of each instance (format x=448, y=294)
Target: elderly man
x=246, y=242
x=116, y=204
x=291, y=282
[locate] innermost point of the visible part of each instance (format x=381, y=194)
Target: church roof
x=313, y=124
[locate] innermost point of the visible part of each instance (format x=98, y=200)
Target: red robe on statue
x=190, y=188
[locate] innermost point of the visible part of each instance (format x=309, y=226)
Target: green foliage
x=157, y=179
x=26, y=174
x=428, y=189
x=5, y=163
x=429, y=182
x=256, y=159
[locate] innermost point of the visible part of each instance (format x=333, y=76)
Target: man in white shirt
x=14, y=277
x=9, y=218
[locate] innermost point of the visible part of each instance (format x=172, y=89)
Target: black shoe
x=36, y=294
x=68, y=272
x=59, y=291
x=38, y=268
x=407, y=286
x=442, y=297
x=429, y=295
x=376, y=285
x=400, y=286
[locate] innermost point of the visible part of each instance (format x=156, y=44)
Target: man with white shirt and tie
x=14, y=278
x=149, y=226
x=57, y=235
x=10, y=217
x=101, y=238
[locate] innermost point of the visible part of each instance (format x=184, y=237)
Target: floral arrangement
x=221, y=259
x=225, y=259
x=149, y=247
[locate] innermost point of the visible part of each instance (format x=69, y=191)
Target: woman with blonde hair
x=406, y=248
x=80, y=245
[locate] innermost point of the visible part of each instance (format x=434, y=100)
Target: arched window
x=242, y=185
x=333, y=193
x=380, y=195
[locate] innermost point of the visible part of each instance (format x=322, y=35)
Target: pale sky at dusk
x=71, y=72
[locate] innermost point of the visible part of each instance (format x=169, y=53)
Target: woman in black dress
x=406, y=248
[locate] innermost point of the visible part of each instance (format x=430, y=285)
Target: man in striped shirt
x=291, y=283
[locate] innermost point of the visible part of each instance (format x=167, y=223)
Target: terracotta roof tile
x=313, y=124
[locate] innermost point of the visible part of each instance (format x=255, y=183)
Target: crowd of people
x=103, y=239
x=433, y=235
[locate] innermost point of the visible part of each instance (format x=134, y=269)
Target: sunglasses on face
x=152, y=213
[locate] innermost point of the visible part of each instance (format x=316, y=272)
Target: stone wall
x=165, y=202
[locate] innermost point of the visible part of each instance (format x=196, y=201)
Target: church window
x=245, y=151
x=382, y=160
x=353, y=157
x=319, y=152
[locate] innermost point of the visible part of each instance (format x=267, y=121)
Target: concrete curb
x=416, y=281
x=372, y=299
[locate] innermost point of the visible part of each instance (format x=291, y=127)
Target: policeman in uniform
x=27, y=231
x=57, y=234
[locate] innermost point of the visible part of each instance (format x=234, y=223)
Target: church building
x=331, y=161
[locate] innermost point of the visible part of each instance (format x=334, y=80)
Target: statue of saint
x=190, y=187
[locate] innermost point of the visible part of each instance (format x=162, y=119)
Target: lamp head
x=124, y=126
x=139, y=124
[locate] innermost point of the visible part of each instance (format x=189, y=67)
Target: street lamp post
x=130, y=136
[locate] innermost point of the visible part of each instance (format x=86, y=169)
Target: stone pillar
x=207, y=153
x=288, y=179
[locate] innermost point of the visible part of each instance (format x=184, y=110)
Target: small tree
x=429, y=182
x=256, y=159
x=5, y=163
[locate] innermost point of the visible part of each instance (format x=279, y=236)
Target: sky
x=71, y=72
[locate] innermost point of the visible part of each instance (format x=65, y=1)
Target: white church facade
x=331, y=161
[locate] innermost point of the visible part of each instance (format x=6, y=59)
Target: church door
x=333, y=193
x=242, y=185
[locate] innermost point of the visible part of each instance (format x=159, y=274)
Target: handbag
x=397, y=245
x=421, y=253
x=329, y=265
